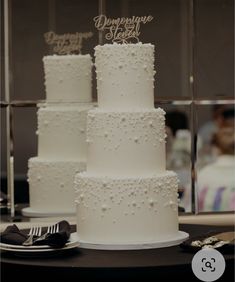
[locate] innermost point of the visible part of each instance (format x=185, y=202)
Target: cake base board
x=178, y=239
x=39, y=213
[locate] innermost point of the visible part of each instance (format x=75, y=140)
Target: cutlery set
x=38, y=240
x=36, y=231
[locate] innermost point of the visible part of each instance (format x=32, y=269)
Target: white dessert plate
x=72, y=243
x=30, y=212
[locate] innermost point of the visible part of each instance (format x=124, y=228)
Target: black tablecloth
x=163, y=264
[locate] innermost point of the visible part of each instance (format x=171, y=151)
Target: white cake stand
x=39, y=213
x=173, y=241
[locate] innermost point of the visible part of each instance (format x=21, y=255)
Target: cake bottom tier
x=51, y=184
x=126, y=210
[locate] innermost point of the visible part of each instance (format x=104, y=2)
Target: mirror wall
x=194, y=43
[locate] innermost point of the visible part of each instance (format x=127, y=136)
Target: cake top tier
x=125, y=75
x=68, y=78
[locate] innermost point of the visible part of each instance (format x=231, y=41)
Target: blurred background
x=194, y=84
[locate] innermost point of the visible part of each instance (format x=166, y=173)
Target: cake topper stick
x=68, y=43
x=121, y=30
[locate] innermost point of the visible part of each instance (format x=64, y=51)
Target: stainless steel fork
x=53, y=228
x=50, y=230
x=34, y=231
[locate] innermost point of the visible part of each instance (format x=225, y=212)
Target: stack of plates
x=40, y=250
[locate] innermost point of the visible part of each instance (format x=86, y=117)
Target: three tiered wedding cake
x=61, y=135
x=126, y=199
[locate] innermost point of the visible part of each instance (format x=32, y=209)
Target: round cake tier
x=51, y=185
x=68, y=78
x=62, y=132
x=127, y=143
x=126, y=210
x=125, y=75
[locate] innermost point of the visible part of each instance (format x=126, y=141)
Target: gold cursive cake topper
x=68, y=43
x=121, y=30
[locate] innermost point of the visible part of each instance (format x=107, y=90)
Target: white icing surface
x=51, y=184
x=125, y=75
x=62, y=132
x=126, y=210
x=133, y=138
x=68, y=78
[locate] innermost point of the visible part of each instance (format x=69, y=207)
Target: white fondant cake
x=126, y=197
x=61, y=134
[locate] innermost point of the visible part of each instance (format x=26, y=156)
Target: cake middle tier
x=62, y=132
x=126, y=143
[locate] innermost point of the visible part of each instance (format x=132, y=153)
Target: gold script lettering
x=122, y=29
x=67, y=43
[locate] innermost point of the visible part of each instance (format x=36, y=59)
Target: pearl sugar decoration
x=140, y=192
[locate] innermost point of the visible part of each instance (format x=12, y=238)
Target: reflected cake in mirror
x=61, y=135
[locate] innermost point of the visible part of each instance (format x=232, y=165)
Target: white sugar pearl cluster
x=146, y=126
x=104, y=194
